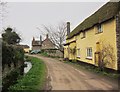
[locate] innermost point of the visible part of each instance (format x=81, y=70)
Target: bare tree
x=73, y=52
x=2, y=9
x=2, y=13
x=107, y=55
x=56, y=34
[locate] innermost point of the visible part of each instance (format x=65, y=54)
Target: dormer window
x=99, y=28
x=83, y=34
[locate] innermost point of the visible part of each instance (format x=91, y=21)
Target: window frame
x=83, y=34
x=99, y=28
x=89, y=53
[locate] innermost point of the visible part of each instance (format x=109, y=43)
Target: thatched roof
x=69, y=42
x=106, y=12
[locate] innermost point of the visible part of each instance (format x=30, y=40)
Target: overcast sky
x=27, y=16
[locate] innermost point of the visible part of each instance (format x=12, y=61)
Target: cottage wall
x=35, y=47
x=107, y=37
x=47, y=44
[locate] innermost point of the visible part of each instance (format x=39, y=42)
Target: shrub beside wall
x=52, y=53
x=12, y=64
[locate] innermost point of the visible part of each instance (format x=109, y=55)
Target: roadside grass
x=44, y=54
x=34, y=80
x=94, y=69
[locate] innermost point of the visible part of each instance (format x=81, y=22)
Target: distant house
x=36, y=44
x=45, y=44
x=25, y=47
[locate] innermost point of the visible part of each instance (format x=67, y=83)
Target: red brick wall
x=47, y=44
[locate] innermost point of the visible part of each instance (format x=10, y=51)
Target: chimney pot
x=68, y=28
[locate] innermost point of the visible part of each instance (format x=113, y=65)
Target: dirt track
x=62, y=76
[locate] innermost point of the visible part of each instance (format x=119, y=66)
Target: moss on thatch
x=105, y=13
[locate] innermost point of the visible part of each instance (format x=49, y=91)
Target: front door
x=97, y=58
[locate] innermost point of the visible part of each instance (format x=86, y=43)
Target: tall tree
x=56, y=34
x=107, y=55
x=10, y=36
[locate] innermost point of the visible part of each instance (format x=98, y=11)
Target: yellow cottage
x=97, y=39
x=26, y=48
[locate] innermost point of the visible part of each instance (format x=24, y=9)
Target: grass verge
x=93, y=69
x=44, y=54
x=34, y=80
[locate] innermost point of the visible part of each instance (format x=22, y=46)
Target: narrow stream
x=29, y=66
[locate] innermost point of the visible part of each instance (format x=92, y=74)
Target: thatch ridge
x=106, y=12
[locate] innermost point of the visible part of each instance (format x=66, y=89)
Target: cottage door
x=97, y=54
x=97, y=58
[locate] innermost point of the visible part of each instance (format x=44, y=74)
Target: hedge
x=11, y=54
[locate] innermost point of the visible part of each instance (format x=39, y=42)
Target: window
x=78, y=52
x=89, y=53
x=83, y=35
x=99, y=29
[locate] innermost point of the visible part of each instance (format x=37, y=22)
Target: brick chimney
x=33, y=40
x=40, y=39
x=68, y=28
x=46, y=36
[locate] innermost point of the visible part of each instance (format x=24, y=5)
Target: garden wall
x=54, y=53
